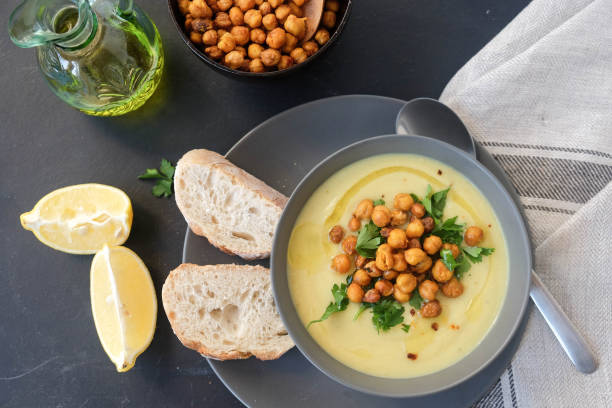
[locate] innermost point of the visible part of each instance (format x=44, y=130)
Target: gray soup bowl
x=519, y=255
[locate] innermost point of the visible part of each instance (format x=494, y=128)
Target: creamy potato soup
x=419, y=345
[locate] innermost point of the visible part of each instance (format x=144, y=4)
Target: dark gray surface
x=50, y=353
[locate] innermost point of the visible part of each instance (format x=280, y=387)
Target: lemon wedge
x=80, y=219
x=123, y=303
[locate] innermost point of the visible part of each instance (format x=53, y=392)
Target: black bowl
x=342, y=18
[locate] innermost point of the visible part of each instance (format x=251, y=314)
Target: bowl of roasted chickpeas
x=401, y=266
x=257, y=38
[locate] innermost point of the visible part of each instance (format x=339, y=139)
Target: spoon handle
x=571, y=340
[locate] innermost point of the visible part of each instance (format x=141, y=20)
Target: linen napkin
x=539, y=98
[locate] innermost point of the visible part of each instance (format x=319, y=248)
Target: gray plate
x=281, y=151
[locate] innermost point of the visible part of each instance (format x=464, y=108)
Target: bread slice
x=225, y=311
x=237, y=212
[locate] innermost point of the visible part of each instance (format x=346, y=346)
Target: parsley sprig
x=339, y=304
x=164, y=177
x=386, y=314
x=368, y=240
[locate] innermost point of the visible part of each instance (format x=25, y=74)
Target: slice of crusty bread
x=225, y=311
x=234, y=210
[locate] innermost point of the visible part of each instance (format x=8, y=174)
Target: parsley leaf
x=415, y=198
x=427, y=200
x=368, y=240
x=475, y=254
x=447, y=258
x=449, y=231
x=405, y=327
x=363, y=307
x=163, y=186
x=416, y=300
x=386, y=314
x=380, y=201
x=338, y=305
x=434, y=203
x=462, y=266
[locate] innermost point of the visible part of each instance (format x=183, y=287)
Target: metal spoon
x=428, y=117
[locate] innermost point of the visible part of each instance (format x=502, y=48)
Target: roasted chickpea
x=253, y=18
x=348, y=245
x=406, y=282
x=399, y=263
x=473, y=236
x=258, y=36
x=354, y=292
x=269, y=22
x=399, y=295
x=384, y=287
x=384, y=257
x=213, y=52
x=195, y=37
x=213, y=5
x=210, y=37
x=296, y=10
x=361, y=277
x=341, y=263
x=336, y=233
x=299, y=55
x=276, y=38
x=428, y=289
x=265, y=8
x=440, y=272
x=371, y=296
x=201, y=24
x=183, y=6
x=321, y=36
x=402, y=201
x=332, y=5
x=236, y=16
x=234, y=59
x=398, y=217
x=397, y=239
x=390, y=274
x=432, y=244
x=381, y=216
x=414, y=255
x=414, y=243
x=299, y=3
x=453, y=248
x=275, y=3
x=188, y=21
x=310, y=47
x=270, y=57
x=290, y=43
x=354, y=224
x=224, y=5
x=227, y=43
x=364, y=209
x=245, y=65
x=328, y=19
x=418, y=210
x=282, y=12
x=372, y=269
x=295, y=26
x=428, y=224
x=452, y=288
x=199, y=9
x=255, y=65
x=221, y=32
x=415, y=229
x=258, y=2
x=431, y=309
x=240, y=34
x=384, y=232
x=244, y=4
x=360, y=261
x=222, y=20
x=241, y=50
x=422, y=266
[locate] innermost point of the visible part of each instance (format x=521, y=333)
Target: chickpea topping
x=236, y=16
x=422, y=266
x=414, y=243
x=245, y=64
x=183, y=6
x=418, y=210
x=336, y=233
x=381, y=216
x=299, y=55
x=452, y=288
x=222, y=20
x=348, y=245
x=290, y=43
x=295, y=9
x=415, y=229
x=390, y=274
x=321, y=36
x=299, y=3
x=195, y=37
x=432, y=244
x=354, y=292
x=399, y=295
x=373, y=270
x=414, y=255
x=428, y=289
x=253, y=18
x=227, y=43
x=384, y=232
x=276, y=38
x=398, y=217
x=258, y=36
x=269, y=22
x=354, y=224
x=431, y=309
x=243, y=4
x=384, y=257
x=265, y=8
x=440, y=272
x=360, y=261
x=213, y=52
x=240, y=34
x=341, y=263
x=384, y=287
x=361, y=277
x=453, y=248
x=188, y=21
x=254, y=51
x=428, y=224
x=241, y=50
x=328, y=19
x=199, y=9
x=210, y=37
x=255, y=65
x=224, y=5
x=371, y=296
x=332, y=5
x=221, y=32
x=282, y=12
x=473, y=236
x=270, y=57
x=406, y=282
x=364, y=209
x=276, y=3
x=234, y=59
x=201, y=24
x=397, y=239
x=295, y=26
x=399, y=263
x=310, y=47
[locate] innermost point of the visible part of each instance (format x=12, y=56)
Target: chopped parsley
x=416, y=300
x=449, y=231
x=386, y=314
x=405, y=327
x=339, y=304
x=368, y=240
x=163, y=186
x=380, y=201
x=434, y=202
x=475, y=254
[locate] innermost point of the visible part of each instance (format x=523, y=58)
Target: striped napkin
x=539, y=98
